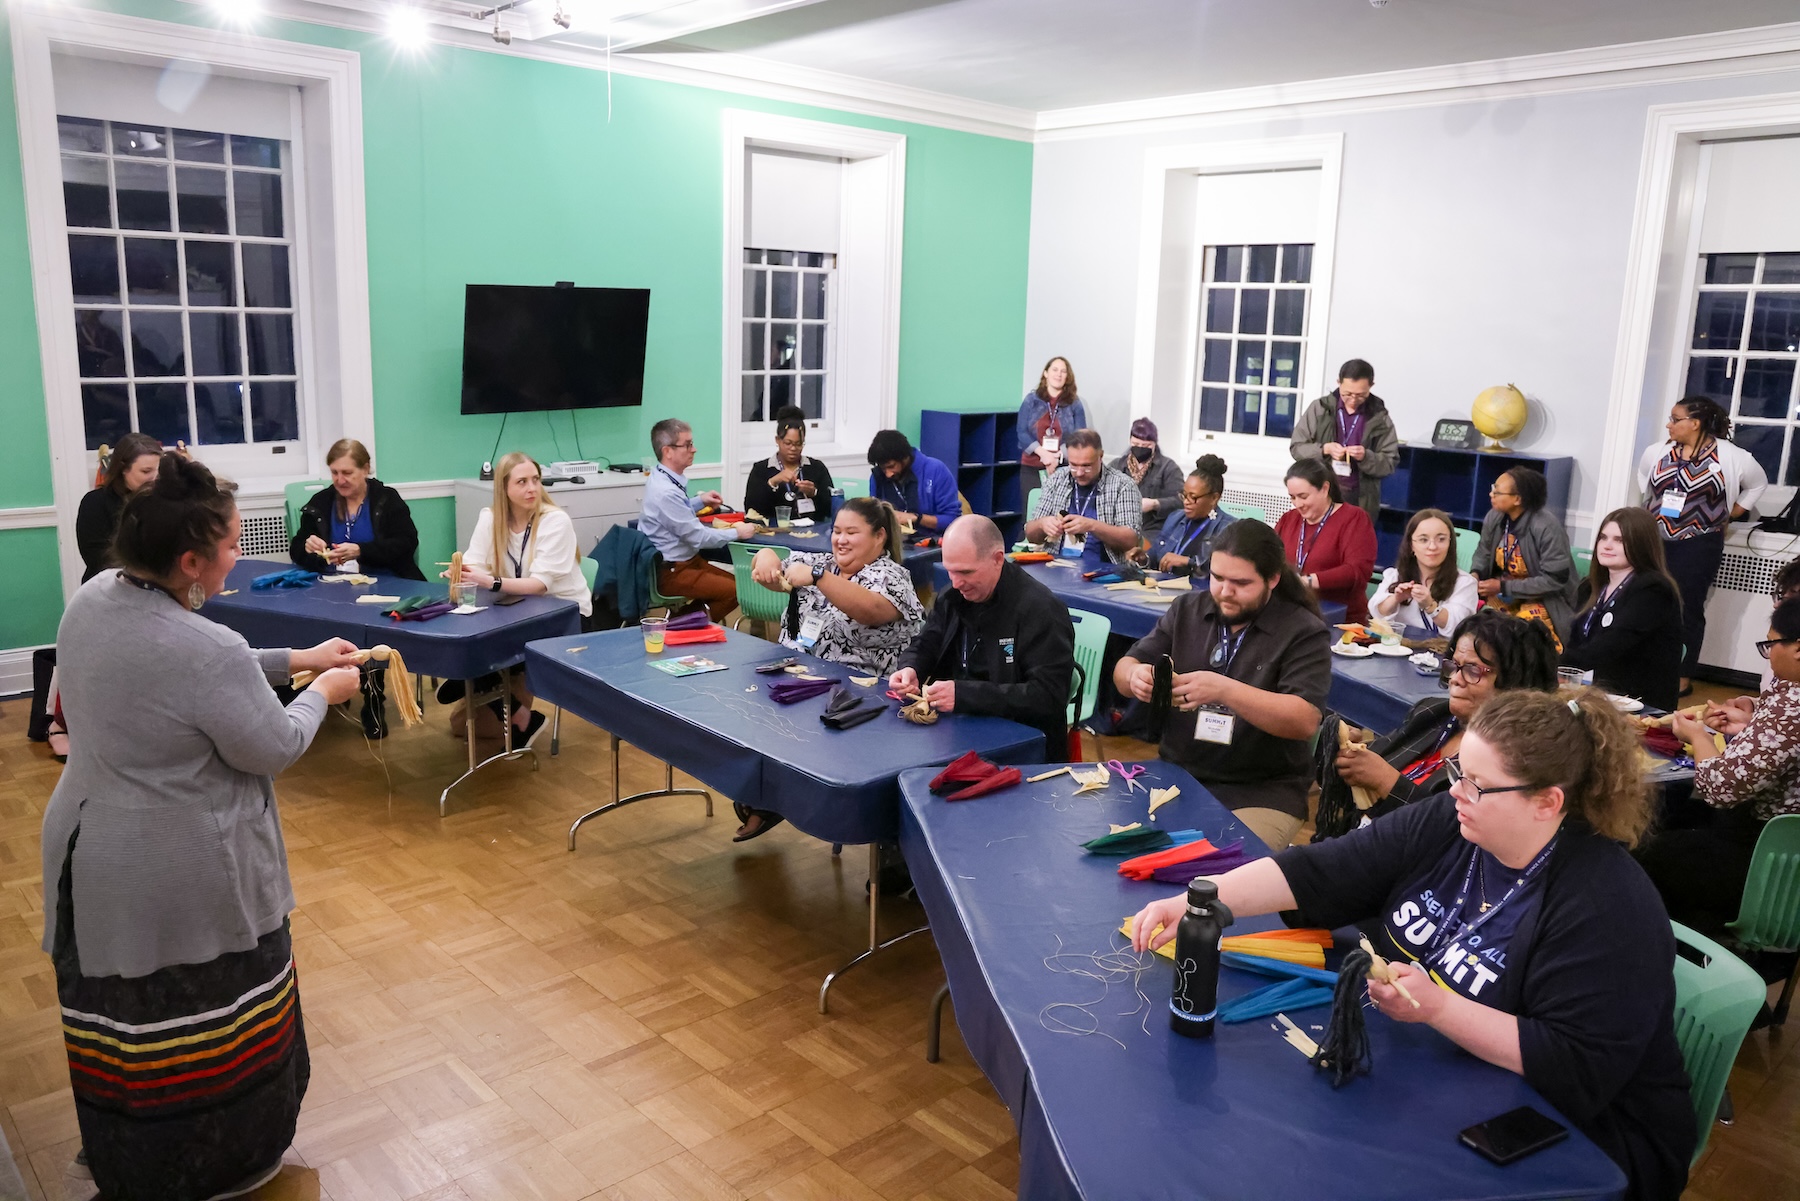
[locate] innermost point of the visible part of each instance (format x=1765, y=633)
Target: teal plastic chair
x=1583, y=559
x=755, y=602
x=657, y=600
x=852, y=487
x=1715, y=1002
x=1031, y=502
x=1091, y=632
x=1466, y=542
x=1769, y=915
x=297, y=495
x=1243, y=511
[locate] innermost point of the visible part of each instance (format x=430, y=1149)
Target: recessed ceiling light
x=407, y=27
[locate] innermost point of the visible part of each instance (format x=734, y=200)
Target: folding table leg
x=875, y=943
x=935, y=1023
x=508, y=751
x=668, y=789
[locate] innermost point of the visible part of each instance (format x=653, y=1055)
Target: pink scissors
x=1128, y=774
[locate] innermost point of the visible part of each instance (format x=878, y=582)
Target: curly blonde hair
x=1579, y=742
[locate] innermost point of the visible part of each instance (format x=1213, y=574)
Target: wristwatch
x=495, y=586
x=817, y=571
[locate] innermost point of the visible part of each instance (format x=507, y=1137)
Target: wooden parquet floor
x=491, y=1017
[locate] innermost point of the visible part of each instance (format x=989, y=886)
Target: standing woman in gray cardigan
x=165, y=878
x=1523, y=563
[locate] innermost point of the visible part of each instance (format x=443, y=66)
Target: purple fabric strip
x=697, y=620
x=786, y=692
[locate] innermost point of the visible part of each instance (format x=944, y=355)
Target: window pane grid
x=184, y=299
x=1255, y=312
x=1744, y=352
x=788, y=298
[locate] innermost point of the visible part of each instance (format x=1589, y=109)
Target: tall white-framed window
x=788, y=299
x=1745, y=351
x=1254, y=306
x=181, y=269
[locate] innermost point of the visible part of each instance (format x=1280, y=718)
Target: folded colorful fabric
x=425, y=612
x=697, y=620
x=1143, y=866
x=1664, y=742
x=1211, y=865
x=408, y=604
x=966, y=768
x=292, y=578
x=1278, y=968
x=847, y=710
x=710, y=633
x=790, y=689
x=1274, y=998
x=1129, y=842
x=1001, y=778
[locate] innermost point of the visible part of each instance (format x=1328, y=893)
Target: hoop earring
x=196, y=596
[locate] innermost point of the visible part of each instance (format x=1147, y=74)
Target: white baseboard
x=15, y=671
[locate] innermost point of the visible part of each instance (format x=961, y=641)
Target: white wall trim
x=1325, y=152
x=877, y=407
x=1698, y=56
x=1667, y=127
x=36, y=34
x=33, y=517
x=15, y=671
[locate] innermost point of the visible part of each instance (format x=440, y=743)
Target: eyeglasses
x=1763, y=648
x=688, y=445
x=1194, y=498
x=1498, y=492
x=1453, y=770
x=1474, y=673
x=1674, y=420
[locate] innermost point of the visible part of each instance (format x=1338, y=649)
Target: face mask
x=1142, y=453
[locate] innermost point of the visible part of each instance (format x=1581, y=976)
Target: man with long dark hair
x=1249, y=667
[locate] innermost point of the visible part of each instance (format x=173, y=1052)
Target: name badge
x=1672, y=501
x=1213, y=725
x=1341, y=466
x=810, y=629
x=1074, y=545
x=1050, y=446
x=805, y=505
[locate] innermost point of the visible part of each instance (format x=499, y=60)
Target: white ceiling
x=1050, y=54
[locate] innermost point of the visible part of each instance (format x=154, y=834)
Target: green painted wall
x=489, y=168
x=29, y=610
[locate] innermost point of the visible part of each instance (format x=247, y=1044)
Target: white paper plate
x=1626, y=704
x=1393, y=652
x=1352, y=651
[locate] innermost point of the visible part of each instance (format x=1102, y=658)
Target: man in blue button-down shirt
x=669, y=521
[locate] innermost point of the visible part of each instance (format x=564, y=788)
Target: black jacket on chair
x=395, y=548
x=1638, y=652
x=1011, y=656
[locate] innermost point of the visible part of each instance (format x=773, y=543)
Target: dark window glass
x=812, y=347
x=753, y=394
x=1246, y=412
x=1719, y=320
x=1220, y=309
x=1781, y=269
x=1764, y=442
x=152, y=271
x=1215, y=404
x=1706, y=377
x=812, y=396
x=1775, y=322
x=781, y=258
x=105, y=413
x=1296, y=264
x=213, y=339
x=162, y=411
x=266, y=276
x=812, y=260
x=1262, y=264
x=782, y=347
x=1730, y=268
x=1280, y=419
x=87, y=196
x=785, y=297
x=1284, y=365
x=753, y=346
x=1216, y=365
x=143, y=194
x=813, y=296
x=140, y=143
x=157, y=347
x=1768, y=389
x=209, y=274
x=94, y=269
x=1228, y=264
x=781, y=393
x=255, y=152
x=1252, y=360
x=756, y=303
x=193, y=146
x=79, y=133
x=219, y=412
x=258, y=200
x=1290, y=313
x=200, y=201
x=100, y=342
x=753, y=256
x=274, y=411
x=271, y=339
x=1253, y=311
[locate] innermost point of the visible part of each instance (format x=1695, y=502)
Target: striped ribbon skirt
x=188, y=1080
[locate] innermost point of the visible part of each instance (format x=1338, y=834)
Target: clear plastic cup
x=654, y=628
x=1568, y=677
x=784, y=516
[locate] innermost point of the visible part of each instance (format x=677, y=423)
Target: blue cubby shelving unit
x=983, y=450
x=1457, y=481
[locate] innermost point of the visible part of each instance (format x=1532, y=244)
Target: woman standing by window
x=1696, y=484
x=1523, y=561
x=1049, y=413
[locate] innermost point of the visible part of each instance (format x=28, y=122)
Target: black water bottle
x=1196, y=996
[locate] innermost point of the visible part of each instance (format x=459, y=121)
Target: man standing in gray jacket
x=1351, y=430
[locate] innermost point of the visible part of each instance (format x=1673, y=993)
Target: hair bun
x=179, y=478
x=1211, y=465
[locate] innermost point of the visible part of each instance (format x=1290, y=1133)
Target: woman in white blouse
x=856, y=605
x=533, y=553
x=1424, y=589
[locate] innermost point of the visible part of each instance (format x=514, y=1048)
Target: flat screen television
x=535, y=348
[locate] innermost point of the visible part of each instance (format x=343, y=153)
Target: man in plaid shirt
x=1087, y=499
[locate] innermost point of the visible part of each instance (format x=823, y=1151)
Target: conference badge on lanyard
x=1672, y=502
x=1213, y=724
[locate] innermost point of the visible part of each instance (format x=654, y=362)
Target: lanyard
x=1084, y=508
x=1225, y=650
x=1453, y=929
x=1607, y=600
x=343, y=525
x=1421, y=768
x=518, y=560
x=1318, y=532
x=1193, y=536
x=1348, y=430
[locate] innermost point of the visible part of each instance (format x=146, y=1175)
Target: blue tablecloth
x=722, y=728
x=1240, y=1115
x=918, y=561
x=1377, y=692
x=1131, y=618
x=458, y=647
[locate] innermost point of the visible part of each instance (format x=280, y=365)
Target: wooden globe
x=1500, y=412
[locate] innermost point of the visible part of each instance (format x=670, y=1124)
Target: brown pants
x=699, y=580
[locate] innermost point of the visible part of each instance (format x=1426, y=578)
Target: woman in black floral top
x=1756, y=777
x=855, y=605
